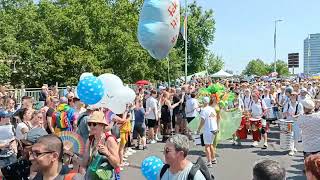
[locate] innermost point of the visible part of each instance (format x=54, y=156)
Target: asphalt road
x=234, y=162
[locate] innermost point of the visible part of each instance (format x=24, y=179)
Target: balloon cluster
x=150, y=167
x=159, y=26
x=106, y=91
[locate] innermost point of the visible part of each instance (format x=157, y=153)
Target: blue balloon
x=150, y=167
x=90, y=90
x=159, y=26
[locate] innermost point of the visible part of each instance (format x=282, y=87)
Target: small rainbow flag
x=108, y=116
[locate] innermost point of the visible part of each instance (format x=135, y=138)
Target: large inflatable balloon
x=117, y=102
x=111, y=83
x=159, y=26
x=150, y=167
x=86, y=74
x=90, y=90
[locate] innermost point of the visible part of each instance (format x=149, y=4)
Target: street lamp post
x=275, y=43
x=309, y=54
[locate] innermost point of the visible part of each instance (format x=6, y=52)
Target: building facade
x=311, y=60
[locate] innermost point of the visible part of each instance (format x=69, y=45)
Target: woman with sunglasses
x=101, y=149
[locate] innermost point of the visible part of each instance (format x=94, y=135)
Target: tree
x=282, y=68
x=201, y=29
x=58, y=40
x=256, y=67
x=215, y=63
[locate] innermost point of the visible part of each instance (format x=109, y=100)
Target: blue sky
x=245, y=28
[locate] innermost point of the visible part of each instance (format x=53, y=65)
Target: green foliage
x=259, y=68
x=56, y=41
x=256, y=67
x=215, y=63
x=282, y=68
x=201, y=29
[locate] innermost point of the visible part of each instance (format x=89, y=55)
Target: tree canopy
x=260, y=68
x=56, y=41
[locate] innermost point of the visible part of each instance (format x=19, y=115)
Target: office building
x=311, y=64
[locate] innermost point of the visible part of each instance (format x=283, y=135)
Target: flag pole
x=185, y=44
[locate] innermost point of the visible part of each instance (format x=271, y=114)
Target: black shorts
x=189, y=119
x=139, y=129
x=152, y=123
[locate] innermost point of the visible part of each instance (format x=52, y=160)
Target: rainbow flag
x=183, y=29
x=108, y=116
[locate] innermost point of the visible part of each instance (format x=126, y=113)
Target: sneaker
x=131, y=150
x=128, y=153
x=291, y=153
x=233, y=142
x=214, y=161
x=157, y=139
x=238, y=142
x=153, y=142
x=124, y=159
x=255, y=144
x=265, y=146
x=124, y=164
x=209, y=165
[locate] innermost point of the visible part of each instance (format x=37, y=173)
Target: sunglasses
x=40, y=154
x=166, y=150
x=92, y=124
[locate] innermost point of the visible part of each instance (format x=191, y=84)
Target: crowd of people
x=31, y=149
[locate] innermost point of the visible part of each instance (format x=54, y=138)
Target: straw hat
x=97, y=117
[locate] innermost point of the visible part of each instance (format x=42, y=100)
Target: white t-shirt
x=209, y=115
x=246, y=102
x=268, y=100
x=310, y=126
x=181, y=175
x=151, y=108
x=191, y=107
x=292, y=108
x=257, y=109
x=19, y=134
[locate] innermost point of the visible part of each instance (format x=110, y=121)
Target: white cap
x=206, y=100
x=308, y=103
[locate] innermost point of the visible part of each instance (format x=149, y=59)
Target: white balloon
x=130, y=95
x=86, y=74
x=111, y=83
x=117, y=102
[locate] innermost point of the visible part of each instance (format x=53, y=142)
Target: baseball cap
x=206, y=100
x=33, y=135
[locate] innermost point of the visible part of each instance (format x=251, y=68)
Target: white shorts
x=208, y=137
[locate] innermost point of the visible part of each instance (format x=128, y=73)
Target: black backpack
x=199, y=165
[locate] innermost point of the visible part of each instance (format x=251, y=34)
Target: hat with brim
x=97, y=117
x=308, y=103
